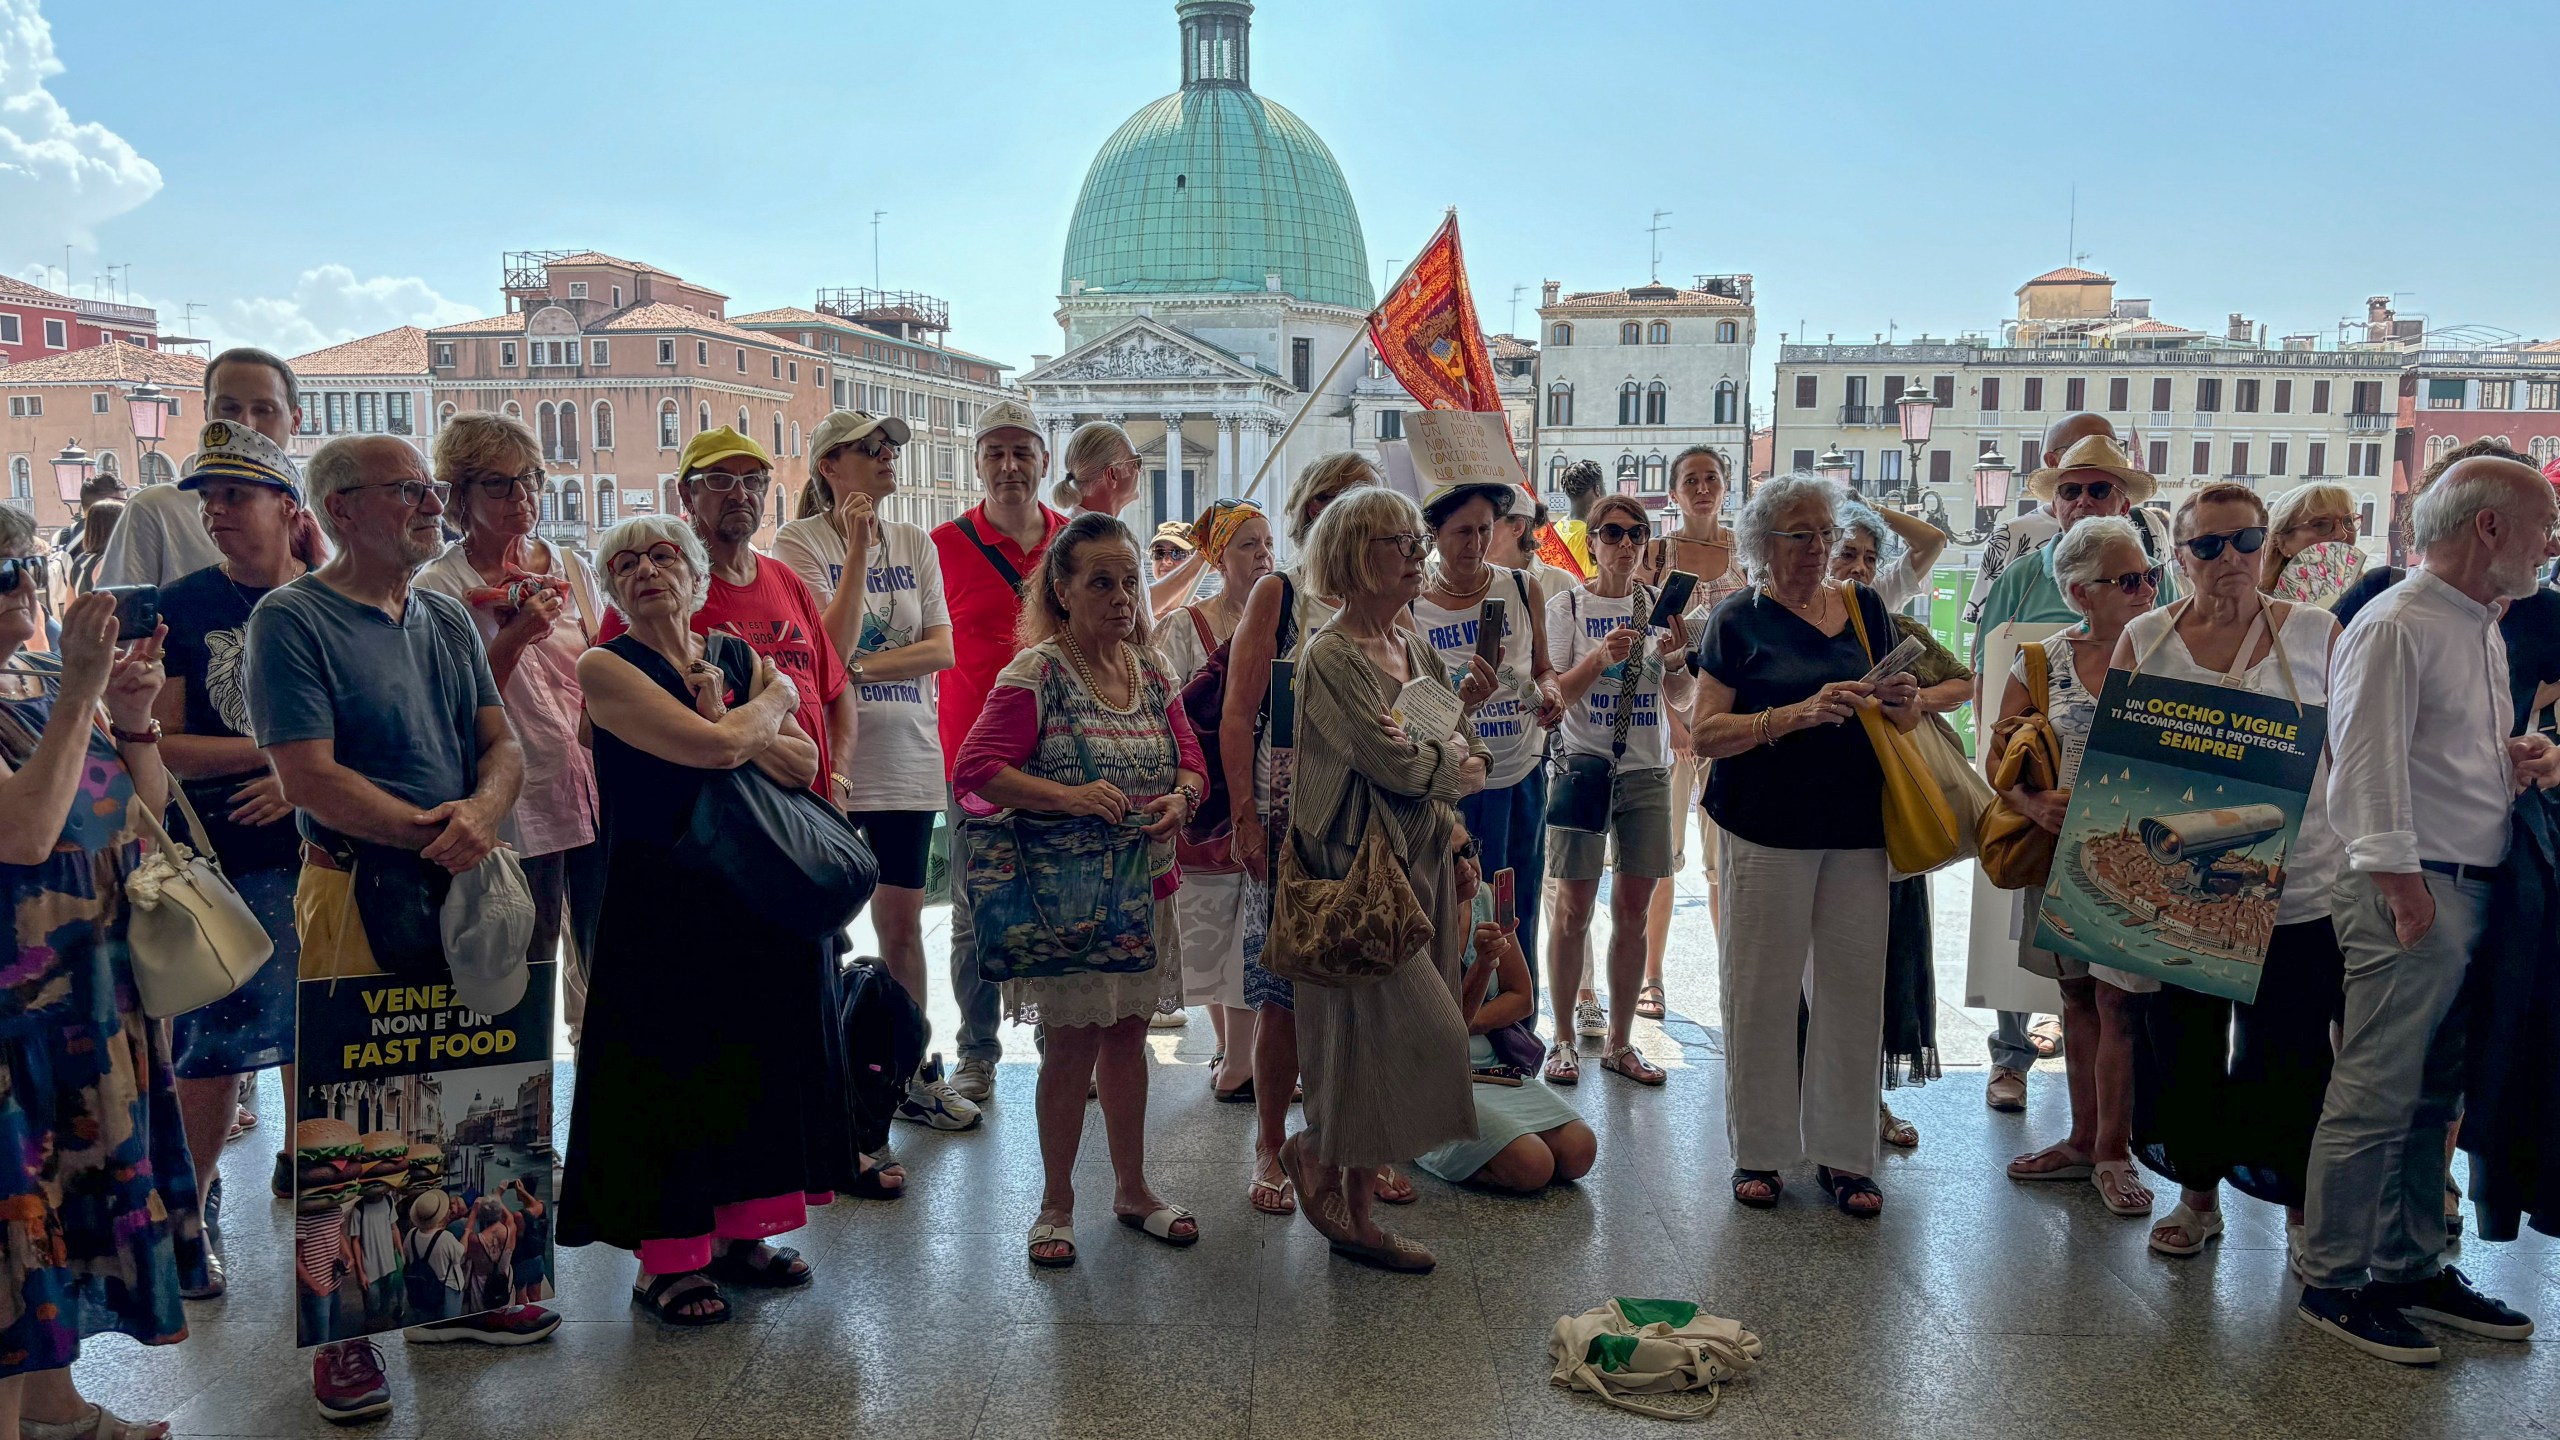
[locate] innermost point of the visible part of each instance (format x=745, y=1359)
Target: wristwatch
x=853, y=672
x=150, y=736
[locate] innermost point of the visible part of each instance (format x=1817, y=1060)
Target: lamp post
x=70, y=471
x=1991, y=475
x=149, y=405
x=1919, y=408
x=1833, y=466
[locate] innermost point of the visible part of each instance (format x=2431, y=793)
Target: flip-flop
x=1397, y=1190
x=1629, y=1061
x=1044, y=1234
x=1564, y=1065
x=1241, y=1095
x=1651, y=1003
x=2121, y=1171
x=1272, y=1197
x=1157, y=1224
x=2070, y=1170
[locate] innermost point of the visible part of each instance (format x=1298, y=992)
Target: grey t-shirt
x=400, y=698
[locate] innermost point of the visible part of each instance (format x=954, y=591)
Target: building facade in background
x=377, y=385
x=2511, y=395
x=82, y=397
x=36, y=323
x=1630, y=378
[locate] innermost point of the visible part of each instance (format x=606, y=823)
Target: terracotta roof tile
x=393, y=352
x=14, y=289
x=597, y=257
x=509, y=324
x=659, y=315
x=113, y=361
x=2070, y=275
x=1623, y=300
x=1509, y=347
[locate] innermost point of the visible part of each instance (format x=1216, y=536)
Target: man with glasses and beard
x=726, y=481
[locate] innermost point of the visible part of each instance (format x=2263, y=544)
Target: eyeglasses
x=1616, y=534
x=724, y=481
x=1409, y=546
x=1825, y=538
x=2246, y=540
x=503, y=487
x=413, y=493
x=660, y=556
x=2321, y=524
x=2074, y=490
x=18, y=569
x=2134, y=582
x=876, y=446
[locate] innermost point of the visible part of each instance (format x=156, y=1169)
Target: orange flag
x=1426, y=331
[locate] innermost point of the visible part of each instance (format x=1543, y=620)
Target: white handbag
x=194, y=940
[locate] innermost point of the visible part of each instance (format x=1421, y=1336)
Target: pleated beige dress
x=1385, y=1064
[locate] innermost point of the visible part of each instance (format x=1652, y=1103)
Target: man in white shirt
x=162, y=537
x=2420, y=782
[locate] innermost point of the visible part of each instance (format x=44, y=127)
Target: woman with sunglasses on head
x=536, y=607
x=2311, y=555
x=1605, y=659
x=2107, y=580
x=2223, y=1090
x=1799, y=793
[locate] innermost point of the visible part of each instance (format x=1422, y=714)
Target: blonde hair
x=1337, y=561
x=1326, y=477
x=1043, y=617
x=1095, y=447
x=481, y=442
x=2293, y=507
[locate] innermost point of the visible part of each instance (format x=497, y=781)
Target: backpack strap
x=995, y=557
x=1200, y=627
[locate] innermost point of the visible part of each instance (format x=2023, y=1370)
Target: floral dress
x=97, y=1195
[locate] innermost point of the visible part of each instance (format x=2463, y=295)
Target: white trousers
x=1802, y=926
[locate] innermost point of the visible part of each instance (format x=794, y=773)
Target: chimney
x=2238, y=328
x=1547, y=292
x=2377, y=319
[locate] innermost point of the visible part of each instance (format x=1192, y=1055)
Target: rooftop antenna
x=875, y=247
x=2071, y=246
x=1393, y=269
x=189, y=319
x=1655, y=230
x=1516, y=292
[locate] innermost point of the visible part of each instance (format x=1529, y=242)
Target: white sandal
x=2121, y=1171
x=99, y=1424
x=1044, y=1234
x=2204, y=1225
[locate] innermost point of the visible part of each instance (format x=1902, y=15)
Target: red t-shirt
x=984, y=613
x=779, y=619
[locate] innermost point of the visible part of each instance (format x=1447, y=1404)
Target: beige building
x=376, y=385
x=81, y=398
x=1630, y=378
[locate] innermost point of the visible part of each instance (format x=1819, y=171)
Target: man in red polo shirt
x=986, y=555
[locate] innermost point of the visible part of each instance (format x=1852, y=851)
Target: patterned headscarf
x=1218, y=525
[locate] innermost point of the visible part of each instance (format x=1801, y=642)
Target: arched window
x=569, y=506
x=608, y=502
x=604, y=427
x=1629, y=470
x=1657, y=404
x=1560, y=333
x=512, y=410
x=1559, y=404
x=777, y=436
x=1631, y=333
x=568, y=431
x=1630, y=404
x=670, y=429
x=702, y=418
x=1555, y=472
x=1658, y=333
x=1657, y=474
x=156, y=469
x=744, y=423
x=1727, y=332
x=550, y=506
x=444, y=414
x=1728, y=404
x=547, y=425
x=107, y=465
x=22, y=483
x=795, y=437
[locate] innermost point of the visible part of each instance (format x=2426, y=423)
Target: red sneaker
x=347, y=1382
x=515, y=1325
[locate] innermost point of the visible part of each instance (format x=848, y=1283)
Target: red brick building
x=35, y=323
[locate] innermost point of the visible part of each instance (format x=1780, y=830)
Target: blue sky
x=314, y=171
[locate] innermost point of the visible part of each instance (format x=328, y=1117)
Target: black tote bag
x=788, y=857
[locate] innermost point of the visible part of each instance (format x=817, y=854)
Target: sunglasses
x=2135, y=582
x=20, y=569
x=2094, y=490
x=1472, y=850
x=876, y=447
x=1616, y=534
x=660, y=556
x=2246, y=540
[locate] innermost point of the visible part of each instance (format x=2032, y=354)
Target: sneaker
x=515, y=1325
x=1169, y=1020
x=2446, y=1298
x=347, y=1382
x=2375, y=1329
x=975, y=1081
x=1590, y=1021
x=213, y=1280
x=932, y=1100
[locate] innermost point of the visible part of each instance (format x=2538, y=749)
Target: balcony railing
x=120, y=314
x=1869, y=415
x=2365, y=422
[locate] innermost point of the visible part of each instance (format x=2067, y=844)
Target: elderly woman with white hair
x=710, y=1110
x=2311, y=556
x=2107, y=579
x=1102, y=476
x=1385, y=1061
x=1799, y=793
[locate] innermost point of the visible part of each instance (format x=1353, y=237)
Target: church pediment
x=1144, y=350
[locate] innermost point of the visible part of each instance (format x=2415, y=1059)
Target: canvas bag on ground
x=194, y=940
x=1663, y=1358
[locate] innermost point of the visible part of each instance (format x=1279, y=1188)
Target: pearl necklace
x=1093, y=687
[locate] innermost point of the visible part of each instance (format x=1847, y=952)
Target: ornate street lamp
x=70, y=471
x=149, y=405
x=1991, y=476
x=1833, y=466
x=1919, y=408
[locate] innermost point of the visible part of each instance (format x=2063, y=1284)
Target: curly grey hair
x=639, y=533
x=2077, y=553
x=1773, y=498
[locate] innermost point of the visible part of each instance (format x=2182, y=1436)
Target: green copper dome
x=1211, y=188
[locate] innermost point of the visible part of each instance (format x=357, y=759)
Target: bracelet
x=1764, y=726
x=150, y=736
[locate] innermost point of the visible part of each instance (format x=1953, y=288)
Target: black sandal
x=1777, y=1186
x=1845, y=1188
x=867, y=1185
x=666, y=1295
x=761, y=1267
x=1241, y=1095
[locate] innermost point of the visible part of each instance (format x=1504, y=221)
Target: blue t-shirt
x=400, y=699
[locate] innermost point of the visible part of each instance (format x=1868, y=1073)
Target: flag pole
x=1254, y=485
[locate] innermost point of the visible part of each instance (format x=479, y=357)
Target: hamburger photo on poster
x=422, y=1159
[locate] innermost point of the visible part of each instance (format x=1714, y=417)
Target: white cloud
x=330, y=304
x=58, y=178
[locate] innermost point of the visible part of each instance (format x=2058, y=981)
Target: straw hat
x=2094, y=452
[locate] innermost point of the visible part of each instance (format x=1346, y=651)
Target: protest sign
x=1462, y=447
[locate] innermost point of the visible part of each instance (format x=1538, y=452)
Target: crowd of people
x=1353, y=861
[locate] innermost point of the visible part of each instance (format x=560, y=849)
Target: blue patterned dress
x=98, y=1220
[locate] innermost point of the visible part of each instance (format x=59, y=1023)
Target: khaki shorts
x=324, y=916
x=1639, y=840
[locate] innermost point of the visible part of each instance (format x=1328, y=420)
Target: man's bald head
x=2491, y=516
x=2073, y=428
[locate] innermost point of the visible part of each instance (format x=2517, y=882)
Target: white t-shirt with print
x=1577, y=623
x=897, y=755
x=1507, y=722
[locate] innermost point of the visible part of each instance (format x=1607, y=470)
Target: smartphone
x=137, y=610
x=1506, y=898
x=1489, y=632
x=1677, y=587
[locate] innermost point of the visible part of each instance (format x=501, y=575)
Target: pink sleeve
x=1186, y=741
x=1008, y=730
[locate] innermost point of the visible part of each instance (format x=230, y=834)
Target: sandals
x=1241, y=1095
x=1399, y=1255
x=1844, y=1189
x=1629, y=1061
x=2074, y=1167
x=1896, y=1131
x=1393, y=1188
x=758, y=1266
x=2200, y=1227
x=1273, y=1197
x=1650, y=1002
x=1564, y=1067
x=243, y=1120
x=868, y=1184
x=2117, y=1185
x=99, y=1424
x=2045, y=1039
x=1053, y=1234
x=1157, y=1224
x=1777, y=1186
x=666, y=1295
x=1326, y=1212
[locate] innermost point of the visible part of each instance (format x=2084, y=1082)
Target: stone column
x=1057, y=429
x=1254, y=444
x=1228, y=479
x=1173, y=464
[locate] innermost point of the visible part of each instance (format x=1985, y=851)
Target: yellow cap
x=713, y=446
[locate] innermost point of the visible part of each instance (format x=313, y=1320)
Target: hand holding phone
x=1506, y=899
x=137, y=610
x=1676, y=590
x=1489, y=631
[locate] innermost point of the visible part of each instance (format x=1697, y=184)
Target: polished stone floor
x=1974, y=1307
